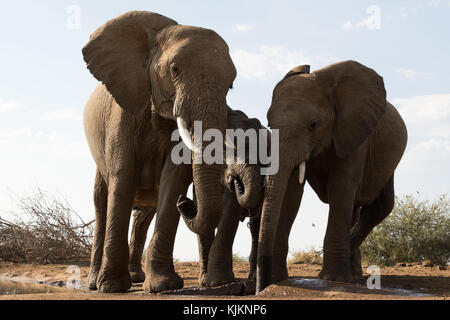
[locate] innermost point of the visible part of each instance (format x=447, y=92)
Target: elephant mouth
x=235, y=184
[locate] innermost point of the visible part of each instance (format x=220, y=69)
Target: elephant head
x=244, y=178
x=333, y=109
x=148, y=61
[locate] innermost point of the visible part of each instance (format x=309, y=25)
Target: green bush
x=415, y=231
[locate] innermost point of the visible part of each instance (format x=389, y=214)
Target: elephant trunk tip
x=186, y=207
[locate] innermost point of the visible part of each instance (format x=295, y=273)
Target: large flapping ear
x=118, y=54
x=360, y=101
x=301, y=69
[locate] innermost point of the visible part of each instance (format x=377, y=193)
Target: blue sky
x=44, y=85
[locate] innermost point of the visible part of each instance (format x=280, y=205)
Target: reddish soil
x=411, y=281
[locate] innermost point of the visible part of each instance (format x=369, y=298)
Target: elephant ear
x=360, y=101
x=118, y=54
x=301, y=69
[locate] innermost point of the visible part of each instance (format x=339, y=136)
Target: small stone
x=427, y=263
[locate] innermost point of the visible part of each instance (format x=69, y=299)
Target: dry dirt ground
x=408, y=281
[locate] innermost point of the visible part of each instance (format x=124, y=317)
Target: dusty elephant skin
x=337, y=128
x=150, y=68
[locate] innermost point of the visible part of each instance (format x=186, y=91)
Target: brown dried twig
x=44, y=230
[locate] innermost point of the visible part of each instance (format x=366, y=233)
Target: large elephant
x=147, y=63
x=337, y=128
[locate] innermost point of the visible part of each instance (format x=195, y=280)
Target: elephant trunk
x=212, y=112
x=274, y=195
x=248, y=186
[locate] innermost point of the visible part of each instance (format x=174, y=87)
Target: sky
x=44, y=85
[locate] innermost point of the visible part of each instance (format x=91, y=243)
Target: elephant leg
x=254, y=225
x=141, y=222
x=100, y=204
x=291, y=204
x=204, y=242
x=114, y=275
x=336, y=248
x=220, y=259
x=204, y=246
x=159, y=269
x=370, y=216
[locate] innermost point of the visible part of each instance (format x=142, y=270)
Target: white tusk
x=301, y=172
x=185, y=135
x=228, y=142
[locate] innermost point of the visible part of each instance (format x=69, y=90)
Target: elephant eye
x=174, y=70
x=314, y=125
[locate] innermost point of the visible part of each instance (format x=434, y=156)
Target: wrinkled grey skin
x=147, y=63
x=338, y=121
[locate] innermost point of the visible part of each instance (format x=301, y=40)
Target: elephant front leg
x=220, y=259
x=336, y=249
x=114, y=275
x=204, y=246
x=159, y=269
x=100, y=204
x=254, y=225
x=141, y=222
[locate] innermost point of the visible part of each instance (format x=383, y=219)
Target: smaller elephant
x=337, y=128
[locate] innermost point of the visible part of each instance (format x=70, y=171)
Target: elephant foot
x=355, y=264
x=279, y=273
x=219, y=278
x=202, y=278
x=162, y=281
x=336, y=274
x=137, y=276
x=108, y=282
x=92, y=278
x=136, y=273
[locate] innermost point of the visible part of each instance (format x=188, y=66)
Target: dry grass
x=310, y=256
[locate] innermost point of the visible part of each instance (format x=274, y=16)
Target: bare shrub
x=44, y=229
x=415, y=231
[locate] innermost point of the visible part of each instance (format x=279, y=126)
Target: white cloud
x=424, y=164
x=372, y=22
x=243, y=27
x=62, y=114
x=426, y=110
x=411, y=74
x=271, y=61
x=8, y=105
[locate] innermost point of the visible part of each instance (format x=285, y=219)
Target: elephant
x=337, y=128
x=151, y=67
